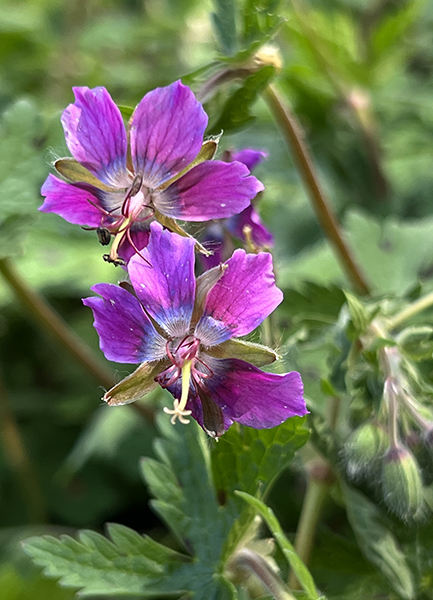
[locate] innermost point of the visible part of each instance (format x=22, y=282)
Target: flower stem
x=320, y=480
x=249, y=561
x=294, y=136
x=50, y=321
x=410, y=311
x=19, y=460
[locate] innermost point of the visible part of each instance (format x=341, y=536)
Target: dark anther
x=103, y=236
x=117, y=262
x=136, y=185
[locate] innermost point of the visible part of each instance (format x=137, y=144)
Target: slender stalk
x=19, y=460
x=251, y=562
x=51, y=322
x=320, y=480
x=295, y=138
x=410, y=311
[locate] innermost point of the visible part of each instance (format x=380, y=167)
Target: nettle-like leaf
x=249, y=460
x=21, y=172
x=224, y=21
x=181, y=480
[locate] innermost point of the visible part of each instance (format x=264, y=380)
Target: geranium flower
x=184, y=332
x=118, y=180
x=246, y=226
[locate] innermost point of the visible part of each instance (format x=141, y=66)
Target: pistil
x=178, y=411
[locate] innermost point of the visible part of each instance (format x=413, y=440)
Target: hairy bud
x=401, y=483
x=364, y=447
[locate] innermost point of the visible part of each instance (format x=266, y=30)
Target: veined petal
x=70, y=202
x=249, y=217
x=211, y=190
x=140, y=237
x=254, y=398
x=249, y=157
x=165, y=285
x=126, y=333
x=244, y=296
x=96, y=136
x=166, y=133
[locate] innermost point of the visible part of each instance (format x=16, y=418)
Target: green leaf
x=236, y=112
x=377, y=543
x=249, y=460
x=299, y=569
x=358, y=313
x=224, y=22
x=22, y=169
x=96, y=565
x=393, y=255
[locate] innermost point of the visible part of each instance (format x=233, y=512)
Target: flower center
x=136, y=208
x=187, y=366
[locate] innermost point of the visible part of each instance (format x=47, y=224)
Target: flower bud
x=401, y=483
x=363, y=448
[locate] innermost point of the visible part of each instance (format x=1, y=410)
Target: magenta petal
x=250, y=218
x=126, y=333
x=249, y=157
x=70, y=202
x=96, y=136
x=244, y=296
x=254, y=398
x=166, y=133
x=166, y=284
x=140, y=238
x=211, y=190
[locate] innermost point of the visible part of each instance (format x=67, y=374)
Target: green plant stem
x=295, y=138
x=251, y=562
x=51, y=322
x=19, y=460
x=410, y=311
x=320, y=480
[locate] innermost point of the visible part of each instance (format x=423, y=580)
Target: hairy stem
x=51, y=322
x=295, y=138
x=19, y=460
x=251, y=562
x=410, y=311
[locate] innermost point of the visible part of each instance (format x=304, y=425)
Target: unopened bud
x=363, y=448
x=401, y=483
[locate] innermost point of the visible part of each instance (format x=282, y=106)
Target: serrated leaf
x=377, y=542
x=236, y=112
x=299, y=569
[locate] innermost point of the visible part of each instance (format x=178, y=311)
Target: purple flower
x=184, y=332
x=245, y=226
x=118, y=180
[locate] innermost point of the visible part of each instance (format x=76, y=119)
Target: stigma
x=178, y=411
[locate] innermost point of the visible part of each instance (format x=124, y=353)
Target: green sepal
x=207, y=152
x=256, y=354
x=173, y=226
x=204, y=284
x=137, y=384
x=71, y=170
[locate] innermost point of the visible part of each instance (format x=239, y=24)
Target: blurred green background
x=358, y=74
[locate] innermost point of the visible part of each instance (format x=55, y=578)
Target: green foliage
x=181, y=481
x=378, y=543
x=21, y=169
x=298, y=567
x=236, y=112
